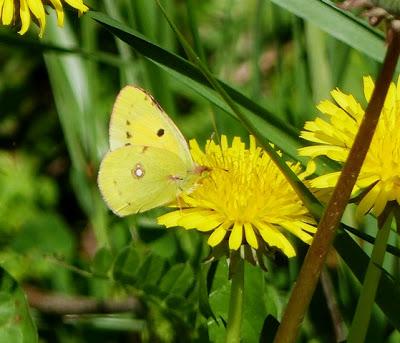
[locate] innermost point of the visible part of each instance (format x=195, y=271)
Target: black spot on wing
x=128, y=122
x=128, y=135
x=160, y=132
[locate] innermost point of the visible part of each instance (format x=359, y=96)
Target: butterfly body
x=149, y=162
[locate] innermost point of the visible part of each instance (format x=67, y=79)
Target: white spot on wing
x=138, y=171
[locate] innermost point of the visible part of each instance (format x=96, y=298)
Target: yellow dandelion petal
x=250, y=235
x=36, y=7
x=327, y=107
x=59, y=11
x=12, y=11
x=218, y=235
x=366, y=180
x=78, y=4
x=297, y=230
x=310, y=169
x=8, y=12
x=274, y=238
x=25, y=17
x=378, y=179
x=325, y=181
x=195, y=148
x=236, y=202
x=253, y=143
x=367, y=202
x=171, y=219
x=348, y=104
x=381, y=201
x=308, y=227
x=333, y=152
x=224, y=142
x=390, y=98
x=202, y=221
x=368, y=87
x=236, y=236
x=311, y=134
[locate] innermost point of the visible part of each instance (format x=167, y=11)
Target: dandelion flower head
x=379, y=179
x=243, y=199
x=12, y=11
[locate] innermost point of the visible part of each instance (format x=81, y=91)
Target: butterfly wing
x=137, y=119
x=138, y=178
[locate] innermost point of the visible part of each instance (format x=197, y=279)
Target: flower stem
x=235, y=304
x=359, y=325
x=316, y=255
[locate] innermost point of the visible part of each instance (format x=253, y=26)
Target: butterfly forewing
x=137, y=178
x=137, y=119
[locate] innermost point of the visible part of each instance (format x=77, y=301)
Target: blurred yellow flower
x=15, y=10
x=379, y=179
x=243, y=199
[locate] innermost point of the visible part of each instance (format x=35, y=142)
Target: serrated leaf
x=177, y=302
x=126, y=265
x=102, y=261
x=178, y=280
x=151, y=270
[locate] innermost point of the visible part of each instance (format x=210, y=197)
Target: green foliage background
x=276, y=59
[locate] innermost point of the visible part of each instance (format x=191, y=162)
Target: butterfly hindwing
x=137, y=178
x=137, y=119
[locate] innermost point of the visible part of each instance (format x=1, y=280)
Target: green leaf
x=204, y=303
x=340, y=24
x=126, y=265
x=178, y=280
x=16, y=324
x=151, y=270
x=255, y=310
x=102, y=261
x=219, y=300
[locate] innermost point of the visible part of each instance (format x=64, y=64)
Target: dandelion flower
x=379, y=179
x=23, y=10
x=244, y=199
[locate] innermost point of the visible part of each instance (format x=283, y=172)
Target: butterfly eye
x=138, y=171
x=160, y=132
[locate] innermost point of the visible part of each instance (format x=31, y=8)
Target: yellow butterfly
x=149, y=163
